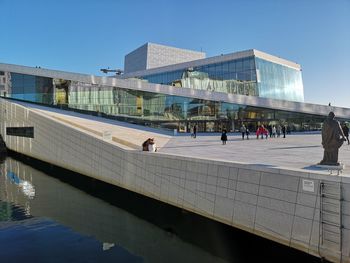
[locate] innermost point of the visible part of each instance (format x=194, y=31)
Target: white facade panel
x=152, y=55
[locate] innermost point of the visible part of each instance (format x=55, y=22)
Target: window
x=20, y=131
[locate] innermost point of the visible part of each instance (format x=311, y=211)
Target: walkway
x=299, y=150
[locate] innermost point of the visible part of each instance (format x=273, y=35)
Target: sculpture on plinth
x=332, y=139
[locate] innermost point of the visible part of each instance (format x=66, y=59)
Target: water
x=49, y=214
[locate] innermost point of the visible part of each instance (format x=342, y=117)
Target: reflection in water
x=42, y=240
x=26, y=187
x=71, y=215
x=93, y=217
x=107, y=246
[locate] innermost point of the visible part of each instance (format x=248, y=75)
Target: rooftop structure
x=250, y=72
x=152, y=55
x=248, y=87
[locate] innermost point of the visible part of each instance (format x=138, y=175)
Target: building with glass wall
x=251, y=73
x=188, y=101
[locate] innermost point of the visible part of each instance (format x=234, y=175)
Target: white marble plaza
x=298, y=150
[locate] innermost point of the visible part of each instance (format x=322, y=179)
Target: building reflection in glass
x=165, y=111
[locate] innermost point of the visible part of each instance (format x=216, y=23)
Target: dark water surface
x=48, y=214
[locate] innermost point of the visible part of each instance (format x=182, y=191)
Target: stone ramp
x=296, y=151
x=126, y=135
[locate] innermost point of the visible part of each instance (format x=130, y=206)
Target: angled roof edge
x=276, y=59
x=176, y=48
x=215, y=59
x=193, y=63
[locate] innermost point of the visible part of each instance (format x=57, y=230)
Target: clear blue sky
x=86, y=35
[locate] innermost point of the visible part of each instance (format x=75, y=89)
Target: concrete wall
x=270, y=202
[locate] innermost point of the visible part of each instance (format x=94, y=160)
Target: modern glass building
x=250, y=73
x=242, y=95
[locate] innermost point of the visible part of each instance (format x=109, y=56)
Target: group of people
x=261, y=131
x=245, y=132
x=149, y=145
x=273, y=132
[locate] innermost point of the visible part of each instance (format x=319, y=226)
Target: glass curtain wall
x=249, y=76
x=279, y=82
x=30, y=88
x=235, y=76
x=153, y=109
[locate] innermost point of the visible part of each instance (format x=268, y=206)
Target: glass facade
x=30, y=88
x=236, y=77
x=152, y=109
x=249, y=76
x=279, y=82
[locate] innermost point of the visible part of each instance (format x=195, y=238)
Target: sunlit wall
x=276, y=81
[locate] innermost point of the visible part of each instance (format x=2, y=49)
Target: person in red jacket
x=262, y=131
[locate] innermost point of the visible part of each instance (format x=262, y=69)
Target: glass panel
x=160, y=110
x=212, y=71
x=232, y=66
x=239, y=65
x=279, y=82
x=220, y=77
x=225, y=68
x=248, y=64
x=219, y=70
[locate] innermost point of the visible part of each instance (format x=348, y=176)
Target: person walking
x=274, y=131
x=284, y=131
x=269, y=129
x=191, y=131
x=247, y=132
x=346, y=132
x=195, y=131
x=243, y=131
x=279, y=130
x=261, y=131
x=224, y=137
x=266, y=133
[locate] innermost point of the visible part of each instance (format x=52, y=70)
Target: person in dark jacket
x=243, y=130
x=247, y=132
x=284, y=131
x=346, y=132
x=224, y=137
x=145, y=145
